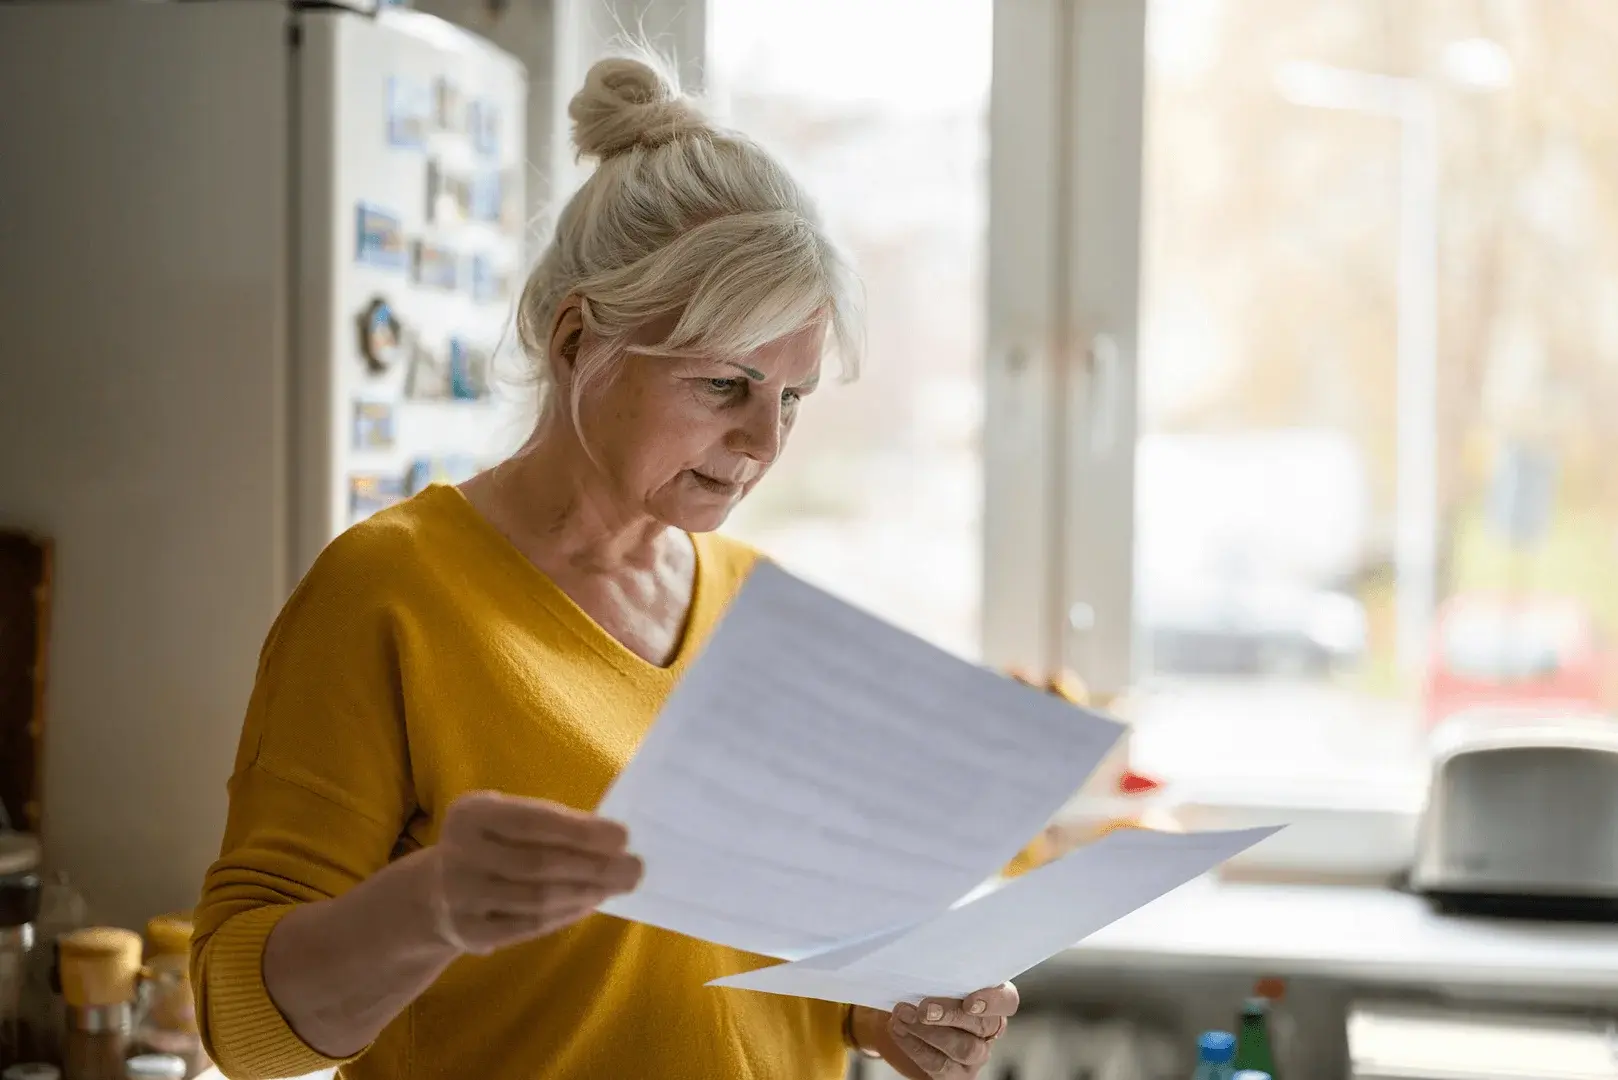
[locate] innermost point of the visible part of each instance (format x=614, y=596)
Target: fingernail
x=977, y=1007
x=907, y=1013
x=935, y=1013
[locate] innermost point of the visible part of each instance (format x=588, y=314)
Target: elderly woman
x=410, y=867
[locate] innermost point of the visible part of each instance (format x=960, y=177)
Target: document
x=820, y=778
x=1004, y=932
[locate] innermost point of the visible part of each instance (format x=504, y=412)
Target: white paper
x=1003, y=933
x=819, y=777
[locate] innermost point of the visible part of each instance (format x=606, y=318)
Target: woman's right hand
x=508, y=869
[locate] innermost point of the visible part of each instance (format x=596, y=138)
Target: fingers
x=496, y=896
x=946, y=1013
x=538, y=863
x=512, y=819
x=513, y=912
x=980, y=1013
x=934, y=1062
x=965, y=1043
x=1001, y=1000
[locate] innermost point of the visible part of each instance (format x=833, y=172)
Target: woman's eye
x=790, y=397
x=722, y=386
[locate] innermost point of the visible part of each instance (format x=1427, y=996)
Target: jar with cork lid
x=166, y=1019
x=100, y=969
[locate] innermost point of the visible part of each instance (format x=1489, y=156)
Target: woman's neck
x=561, y=509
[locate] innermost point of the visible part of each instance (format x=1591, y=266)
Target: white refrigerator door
x=410, y=197
x=143, y=302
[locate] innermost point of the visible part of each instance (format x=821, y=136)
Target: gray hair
x=681, y=218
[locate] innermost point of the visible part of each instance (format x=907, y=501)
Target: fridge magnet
x=436, y=267
x=379, y=238
x=370, y=492
x=380, y=335
x=407, y=114
x=449, y=114
x=468, y=371
x=449, y=195
x=373, y=425
x=483, y=123
x=489, y=283
x=444, y=199
x=451, y=469
x=428, y=378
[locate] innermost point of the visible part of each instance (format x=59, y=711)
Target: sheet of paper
x=819, y=776
x=1003, y=933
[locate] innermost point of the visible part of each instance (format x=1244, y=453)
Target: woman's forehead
x=793, y=358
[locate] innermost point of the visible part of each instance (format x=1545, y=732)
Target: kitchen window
x=1251, y=358
x=1378, y=351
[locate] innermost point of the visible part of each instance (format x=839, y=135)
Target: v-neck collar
x=698, y=618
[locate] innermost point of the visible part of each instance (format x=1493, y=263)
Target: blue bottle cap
x=1251, y=1074
x=1216, y=1047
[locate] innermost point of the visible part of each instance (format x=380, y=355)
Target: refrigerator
x=258, y=266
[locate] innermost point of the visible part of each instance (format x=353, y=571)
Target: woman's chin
x=699, y=516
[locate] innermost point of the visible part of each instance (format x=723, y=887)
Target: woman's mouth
x=715, y=485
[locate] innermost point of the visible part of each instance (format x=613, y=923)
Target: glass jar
x=166, y=1022
x=100, y=972
x=61, y=911
x=19, y=906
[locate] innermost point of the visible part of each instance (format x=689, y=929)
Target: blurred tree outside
x=1271, y=238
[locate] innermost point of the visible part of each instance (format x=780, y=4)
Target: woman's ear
x=566, y=331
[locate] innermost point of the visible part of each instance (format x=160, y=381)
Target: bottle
x=1214, y=1053
x=1255, y=1050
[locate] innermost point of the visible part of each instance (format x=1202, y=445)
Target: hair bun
x=630, y=101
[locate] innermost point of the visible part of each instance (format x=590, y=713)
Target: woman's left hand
x=941, y=1038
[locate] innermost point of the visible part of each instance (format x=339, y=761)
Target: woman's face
x=684, y=440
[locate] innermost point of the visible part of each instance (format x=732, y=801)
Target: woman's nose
x=759, y=436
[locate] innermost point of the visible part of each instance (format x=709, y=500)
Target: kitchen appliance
x=256, y=279
x=1399, y=1041
x=1522, y=815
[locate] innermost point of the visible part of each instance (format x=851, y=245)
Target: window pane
x=1379, y=359
x=877, y=497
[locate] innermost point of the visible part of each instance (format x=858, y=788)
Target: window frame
x=1066, y=127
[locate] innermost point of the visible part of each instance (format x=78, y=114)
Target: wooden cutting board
x=25, y=584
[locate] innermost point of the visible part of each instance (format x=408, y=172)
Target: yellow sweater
x=423, y=657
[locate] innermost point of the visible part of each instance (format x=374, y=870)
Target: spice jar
x=167, y=1021
x=99, y=969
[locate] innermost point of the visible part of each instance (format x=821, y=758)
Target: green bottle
x=1254, y=1049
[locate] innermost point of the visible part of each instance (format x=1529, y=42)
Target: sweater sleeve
x=319, y=796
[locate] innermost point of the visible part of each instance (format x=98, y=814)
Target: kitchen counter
x=1365, y=934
